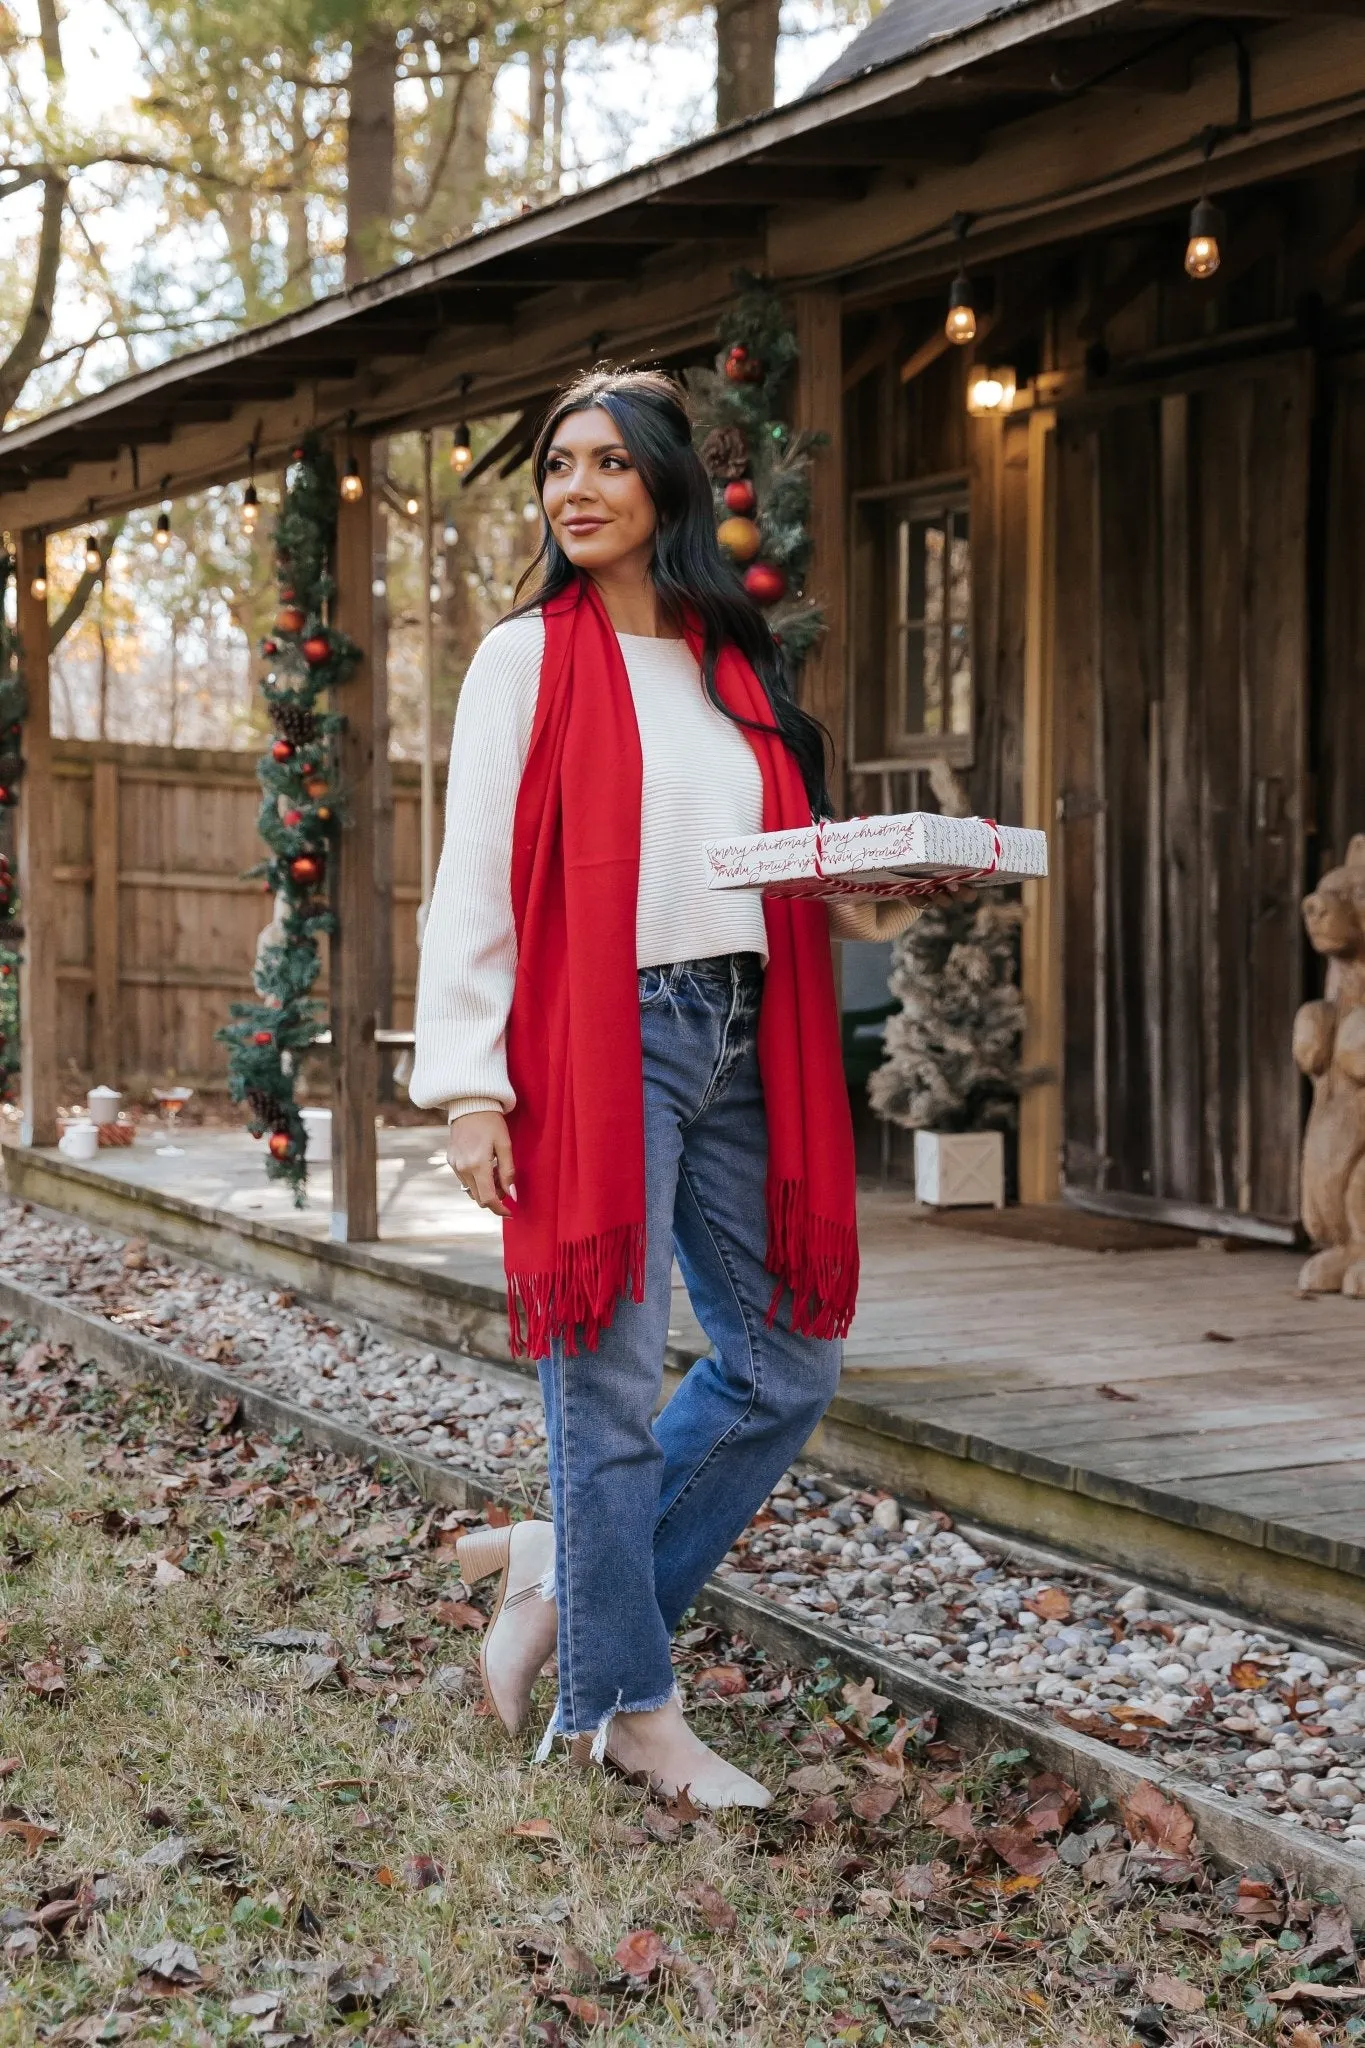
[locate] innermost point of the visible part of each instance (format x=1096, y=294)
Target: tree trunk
x=370, y=155
x=468, y=168
x=298, y=253
x=102, y=728
x=27, y=351
x=556, y=164
x=746, y=58
x=175, y=684
x=535, y=120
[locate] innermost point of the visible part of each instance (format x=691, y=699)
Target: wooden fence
x=156, y=929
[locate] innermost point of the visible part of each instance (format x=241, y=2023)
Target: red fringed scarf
x=577, y=1241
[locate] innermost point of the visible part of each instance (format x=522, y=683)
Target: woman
x=631, y=711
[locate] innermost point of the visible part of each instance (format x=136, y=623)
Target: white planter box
x=960, y=1169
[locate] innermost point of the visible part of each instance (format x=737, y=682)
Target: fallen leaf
x=1316, y=1994
x=46, y=1677
x=167, y=1854
x=1053, y=1603
x=640, y=1953
x=167, y=1574
x=1332, y=1935
x=31, y=1832
x=9, y=1765
x=660, y=1826
x=1176, y=1992
x=1020, y=1849
x=865, y=1701
x=175, y=1962
x=383, y=1875
x=908, y=2013
x=421, y=1872
x=365, y=1988
x=1151, y=1817
x=1087, y=1722
x=813, y=1778
x=584, y=2010
x=459, y=1614
x=536, y=1830
x=715, y=1909
x=955, y=1820
x=1305, y=2037
x=1249, y=1677
x=315, y=1671
x=681, y=1806
x=386, y=1615
x=723, y=1679
x=919, y=1884
x=874, y=1802
x=254, y=2004
x=1052, y=1802
x=818, y=1816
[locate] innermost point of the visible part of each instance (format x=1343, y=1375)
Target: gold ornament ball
x=740, y=538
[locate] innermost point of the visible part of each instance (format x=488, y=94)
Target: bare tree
x=746, y=58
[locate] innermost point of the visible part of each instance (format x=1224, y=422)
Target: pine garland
x=13, y=707
x=299, y=817
x=751, y=453
x=952, y=1049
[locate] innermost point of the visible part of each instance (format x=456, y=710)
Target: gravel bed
x=1280, y=1727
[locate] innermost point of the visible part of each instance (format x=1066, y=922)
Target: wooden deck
x=1177, y=1410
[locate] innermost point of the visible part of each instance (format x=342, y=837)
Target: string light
x=960, y=326
x=352, y=483
x=449, y=533
x=413, y=508
x=94, y=560
x=38, y=587
x=1208, y=228
x=991, y=391
x=161, y=537
x=461, y=450
x=251, y=508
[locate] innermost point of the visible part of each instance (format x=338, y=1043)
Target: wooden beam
x=911, y=139
x=1092, y=64
x=938, y=345
x=1260, y=10
x=354, y=993
x=37, y=864
x=104, y=919
x=681, y=222
x=819, y=408
x=770, y=185
x=1040, y=1111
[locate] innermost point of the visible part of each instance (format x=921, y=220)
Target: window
x=912, y=676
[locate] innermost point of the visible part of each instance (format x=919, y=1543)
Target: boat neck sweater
x=701, y=782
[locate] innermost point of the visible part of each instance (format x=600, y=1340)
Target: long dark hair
x=691, y=573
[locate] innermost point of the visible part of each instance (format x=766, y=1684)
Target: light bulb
x=461, y=453
x=352, y=483
x=93, y=560
x=1202, y=254
x=449, y=534
x=413, y=508
x=991, y=391
x=161, y=539
x=960, y=326
x=38, y=587
x=251, y=508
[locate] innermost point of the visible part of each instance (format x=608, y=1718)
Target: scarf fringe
x=814, y=1257
x=576, y=1301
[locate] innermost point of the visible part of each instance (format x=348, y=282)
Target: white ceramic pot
x=960, y=1169
x=104, y=1105
x=318, y=1124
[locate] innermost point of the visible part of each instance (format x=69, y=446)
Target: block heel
x=483, y=1552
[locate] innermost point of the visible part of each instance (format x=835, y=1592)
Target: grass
x=211, y=1838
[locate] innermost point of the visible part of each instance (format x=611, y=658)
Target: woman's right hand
x=479, y=1149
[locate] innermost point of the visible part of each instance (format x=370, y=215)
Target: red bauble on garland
x=740, y=497
x=316, y=649
x=260, y=1038
x=741, y=367
x=764, y=583
x=293, y=817
x=315, y=786
x=306, y=870
x=281, y=1144
x=270, y=647
x=289, y=619
x=282, y=751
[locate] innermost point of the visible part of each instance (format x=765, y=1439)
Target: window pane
x=929, y=690
x=959, y=630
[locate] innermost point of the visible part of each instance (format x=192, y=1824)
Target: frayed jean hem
x=600, y=1729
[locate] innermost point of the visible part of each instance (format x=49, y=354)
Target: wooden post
x=428, y=762
x=819, y=407
x=1040, y=1112
x=383, y=773
x=104, y=918
x=37, y=864
x=355, y=899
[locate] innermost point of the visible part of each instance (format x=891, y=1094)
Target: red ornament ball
x=281, y=1144
x=316, y=648
x=289, y=619
x=740, y=497
x=305, y=870
x=764, y=583
x=260, y=1038
x=293, y=817
x=270, y=647
x=741, y=367
x=316, y=786
x=282, y=751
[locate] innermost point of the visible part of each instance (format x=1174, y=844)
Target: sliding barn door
x=1181, y=658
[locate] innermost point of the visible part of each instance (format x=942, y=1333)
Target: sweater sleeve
x=870, y=917
x=469, y=944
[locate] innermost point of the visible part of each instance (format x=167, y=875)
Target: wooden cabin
x=1127, y=606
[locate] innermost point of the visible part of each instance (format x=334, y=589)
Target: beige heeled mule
x=521, y=1631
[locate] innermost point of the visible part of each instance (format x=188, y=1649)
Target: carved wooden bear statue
x=1329, y=1046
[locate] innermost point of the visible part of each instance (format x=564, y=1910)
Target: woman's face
x=594, y=497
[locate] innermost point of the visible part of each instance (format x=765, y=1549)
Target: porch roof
x=432, y=340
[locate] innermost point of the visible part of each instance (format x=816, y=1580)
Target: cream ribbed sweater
x=701, y=781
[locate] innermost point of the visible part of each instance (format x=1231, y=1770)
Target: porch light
x=94, y=560
x=1208, y=226
x=352, y=483
x=960, y=326
x=991, y=391
x=461, y=451
x=38, y=586
x=251, y=508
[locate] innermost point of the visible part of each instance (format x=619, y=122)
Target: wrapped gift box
x=904, y=855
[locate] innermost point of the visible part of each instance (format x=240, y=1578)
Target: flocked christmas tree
x=952, y=1049
x=759, y=465
x=13, y=704
x=299, y=816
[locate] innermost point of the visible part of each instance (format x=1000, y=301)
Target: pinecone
x=265, y=1107
x=725, y=454
x=293, y=722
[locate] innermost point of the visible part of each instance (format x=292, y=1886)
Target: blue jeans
x=645, y=1509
